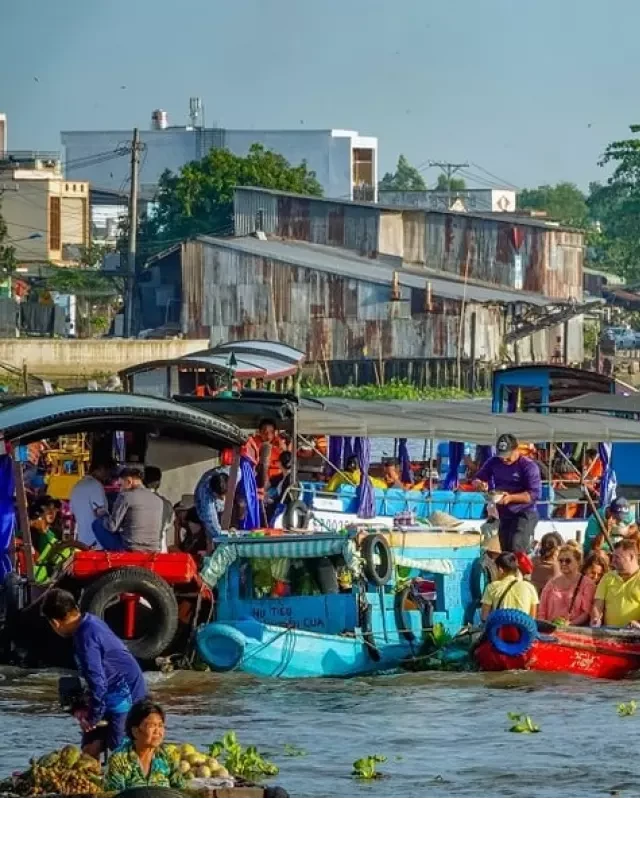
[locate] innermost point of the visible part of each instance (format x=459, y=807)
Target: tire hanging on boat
x=522, y=622
x=161, y=629
x=221, y=646
x=402, y=623
x=378, y=572
x=297, y=516
x=366, y=626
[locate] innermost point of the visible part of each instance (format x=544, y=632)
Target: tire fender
x=221, y=646
x=525, y=624
x=377, y=573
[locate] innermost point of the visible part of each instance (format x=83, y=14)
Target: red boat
x=513, y=640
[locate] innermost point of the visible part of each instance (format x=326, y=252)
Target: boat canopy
x=91, y=411
x=265, y=360
x=615, y=404
x=456, y=421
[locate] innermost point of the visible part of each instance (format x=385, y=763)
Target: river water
x=444, y=734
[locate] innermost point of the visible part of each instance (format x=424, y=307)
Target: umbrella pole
x=594, y=509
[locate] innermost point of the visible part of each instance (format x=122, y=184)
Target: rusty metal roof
x=344, y=263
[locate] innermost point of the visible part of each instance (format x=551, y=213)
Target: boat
x=374, y=623
x=514, y=641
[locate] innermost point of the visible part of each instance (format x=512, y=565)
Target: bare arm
x=597, y=613
x=485, y=611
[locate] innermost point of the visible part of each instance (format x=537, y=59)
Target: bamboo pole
x=594, y=509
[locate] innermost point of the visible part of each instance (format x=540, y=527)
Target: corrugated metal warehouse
x=516, y=252
x=340, y=309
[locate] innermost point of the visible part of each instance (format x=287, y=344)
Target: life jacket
x=251, y=449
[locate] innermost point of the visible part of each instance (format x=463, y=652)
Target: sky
x=529, y=92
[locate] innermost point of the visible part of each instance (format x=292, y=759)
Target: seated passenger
x=617, y=600
x=194, y=541
x=349, y=477
x=568, y=596
x=137, y=520
x=42, y=516
x=545, y=563
x=596, y=565
x=510, y=591
x=391, y=476
x=152, y=480
x=619, y=521
x=278, y=492
x=87, y=495
x=142, y=761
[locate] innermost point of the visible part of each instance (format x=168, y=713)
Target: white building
x=345, y=163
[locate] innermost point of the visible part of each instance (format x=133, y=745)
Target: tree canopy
x=446, y=185
x=199, y=198
x=406, y=178
x=563, y=202
x=7, y=251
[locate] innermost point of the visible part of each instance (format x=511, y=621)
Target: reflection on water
x=443, y=734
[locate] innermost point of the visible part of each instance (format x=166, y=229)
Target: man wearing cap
x=517, y=479
x=619, y=522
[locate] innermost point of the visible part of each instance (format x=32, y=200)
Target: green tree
x=563, y=202
x=406, y=178
x=7, y=251
x=199, y=199
x=450, y=185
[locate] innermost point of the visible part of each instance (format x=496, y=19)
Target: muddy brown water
x=443, y=734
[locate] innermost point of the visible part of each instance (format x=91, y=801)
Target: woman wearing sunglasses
x=568, y=597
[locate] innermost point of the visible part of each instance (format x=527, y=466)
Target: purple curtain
x=608, y=483
x=7, y=513
x=405, y=461
x=249, y=489
x=347, y=450
x=335, y=454
x=483, y=453
x=512, y=401
x=364, y=492
x=456, y=453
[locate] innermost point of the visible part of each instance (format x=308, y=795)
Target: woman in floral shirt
x=142, y=761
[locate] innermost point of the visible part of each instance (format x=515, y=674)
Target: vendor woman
x=142, y=761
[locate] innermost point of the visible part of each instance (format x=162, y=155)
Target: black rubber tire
x=297, y=516
x=426, y=612
x=149, y=791
x=271, y=792
x=367, y=633
x=153, y=589
x=377, y=574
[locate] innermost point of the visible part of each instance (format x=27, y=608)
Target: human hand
x=480, y=485
x=635, y=625
x=99, y=511
x=504, y=499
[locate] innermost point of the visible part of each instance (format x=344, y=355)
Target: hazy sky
x=531, y=92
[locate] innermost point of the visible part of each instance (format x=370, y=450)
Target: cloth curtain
x=405, y=461
x=608, y=483
x=456, y=454
x=347, y=450
x=483, y=453
x=249, y=490
x=364, y=492
x=335, y=454
x=7, y=513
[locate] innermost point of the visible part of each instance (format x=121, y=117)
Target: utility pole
x=449, y=170
x=136, y=148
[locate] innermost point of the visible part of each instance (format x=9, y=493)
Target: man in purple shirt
x=518, y=480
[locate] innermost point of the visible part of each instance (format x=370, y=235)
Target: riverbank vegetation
x=396, y=389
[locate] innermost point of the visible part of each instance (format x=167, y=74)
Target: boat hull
x=580, y=651
x=274, y=651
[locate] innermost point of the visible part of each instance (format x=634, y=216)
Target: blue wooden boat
x=373, y=624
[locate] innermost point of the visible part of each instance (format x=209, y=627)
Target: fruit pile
x=194, y=764
x=66, y=772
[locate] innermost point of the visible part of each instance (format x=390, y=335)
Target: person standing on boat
x=617, y=602
x=510, y=591
x=517, y=480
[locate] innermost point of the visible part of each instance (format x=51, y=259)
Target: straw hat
x=492, y=544
x=443, y=519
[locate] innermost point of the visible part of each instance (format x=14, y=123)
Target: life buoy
x=221, y=646
x=377, y=571
x=522, y=622
x=296, y=516
x=402, y=623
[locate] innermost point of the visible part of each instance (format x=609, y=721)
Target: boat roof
x=455, y=421
x=616, y=404
x=247, y=408
x=58, y=414
x=254, y=360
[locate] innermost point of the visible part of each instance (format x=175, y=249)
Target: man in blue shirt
x=113, y=677
x=517, y=479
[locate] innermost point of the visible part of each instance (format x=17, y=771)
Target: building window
x=54, y=224
x=66, y=187
x=81, y=188
x=74, y=187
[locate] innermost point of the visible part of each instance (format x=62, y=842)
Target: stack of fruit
x=66, y=772
x=196, y=765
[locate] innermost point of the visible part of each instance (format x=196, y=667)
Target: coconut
x=221, y=773
x=203, y=772
x=187, y=749
x=197, y=759
x=213, y=764
x=184, y=766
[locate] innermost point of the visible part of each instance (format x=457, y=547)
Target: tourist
x=210, y=497
x=510, y=591
x=596, y=565
x=617, y=600
x=152, y=479
x=545, y=563
x=517, y=480
x=137, y=520
x=42, y=516
x=87, y=496
x=568, y=597
x=113, y=677
x=391, y=475
x=619, y=522
x=264, y=449
x=349, y=477
x=142, y=761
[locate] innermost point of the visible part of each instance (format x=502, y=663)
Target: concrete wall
x=78, y=358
